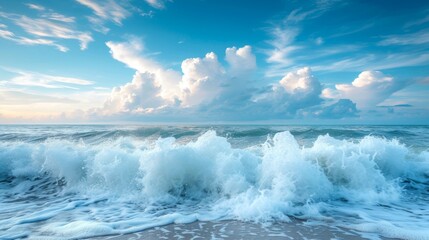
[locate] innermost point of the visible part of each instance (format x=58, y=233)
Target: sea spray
x=127, y=183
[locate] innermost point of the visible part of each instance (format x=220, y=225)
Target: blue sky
x=324, y=61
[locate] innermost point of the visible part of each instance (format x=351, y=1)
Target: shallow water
x=84, y=181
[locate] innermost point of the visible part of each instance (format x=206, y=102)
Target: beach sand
x=244, y=230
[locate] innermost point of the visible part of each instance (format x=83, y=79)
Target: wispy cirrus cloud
x=46, y=29
x=33, y=95
x=58, y=17
x=35, y=7
x=156, y=3
x=375, y=62
x=347, y=30
x=346, y=64
x=289, y=53
x=284, y=45
x=421, y=37
x=419, y=21
x=28, y=41
x=116, y=11
x=34, y=79
x=331, y=50
x=105, y=11
x=9, y=97
x=51, y=29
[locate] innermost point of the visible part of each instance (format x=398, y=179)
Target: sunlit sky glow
x=322, y=61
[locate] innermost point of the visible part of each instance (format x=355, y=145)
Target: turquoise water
x=80, y=181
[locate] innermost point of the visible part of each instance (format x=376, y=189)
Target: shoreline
x=234, y=229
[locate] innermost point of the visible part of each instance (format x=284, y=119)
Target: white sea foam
x=126, y=185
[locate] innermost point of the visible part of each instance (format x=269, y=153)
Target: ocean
x=85, y=181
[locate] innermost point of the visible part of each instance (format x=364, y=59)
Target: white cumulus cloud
x=296, y=90
x=205, y=88
x=241, y=59
x=368, y=89
x=201, y=81
x=141, y=95
x=130, y=53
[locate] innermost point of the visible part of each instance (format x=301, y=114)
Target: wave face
x=82, y=181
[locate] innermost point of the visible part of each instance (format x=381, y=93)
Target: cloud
x=206, y=89
x=291, y=46
x=29, y=106
x=421, y=37
x=6, y=34
x=282, y=47
x=156, y=3
x=28, y=41
x=319, y=41
x=50, y=26
x=34, y=79
x=35, y=7
x=418, y=22
x=347, y=64
x=379, y=62
x=130, y=53
x=141, y=95
x=108, y=10
x=202, y=80
x=301, y=82
x=241, y=59
x=348, y=30
x=58, y=17
x=283, y=43
x=115, y=11
x=22, y=98
x=50, y=14
x=397, y=106
x=297, y=90
x=343, y=108
x=368, y=89
x=46, y=28
x=391, y=108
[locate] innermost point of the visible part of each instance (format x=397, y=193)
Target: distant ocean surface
x=68, y=182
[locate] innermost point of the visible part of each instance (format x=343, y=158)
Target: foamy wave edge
x=275, y=180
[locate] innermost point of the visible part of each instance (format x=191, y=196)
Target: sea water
x=81, y=181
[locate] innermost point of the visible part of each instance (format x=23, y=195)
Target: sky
x=214, y=61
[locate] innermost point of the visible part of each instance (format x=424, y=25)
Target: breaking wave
x=127, y=184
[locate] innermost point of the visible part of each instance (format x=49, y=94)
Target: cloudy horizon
x=333, y=62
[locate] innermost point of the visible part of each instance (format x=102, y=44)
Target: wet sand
x=244, y=230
